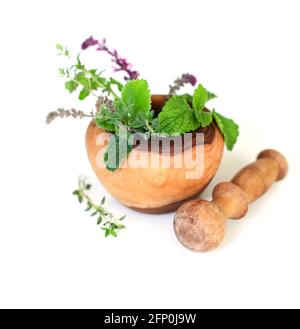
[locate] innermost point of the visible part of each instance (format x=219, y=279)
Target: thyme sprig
x=62, y=113
x=111, y=225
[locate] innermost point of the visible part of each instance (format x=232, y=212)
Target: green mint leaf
x=141, y=120
x=199, y=99
x=113, y=233
x=83, y=80
x=136, y=97
x=93, y=73
x=70, y=85
x=83, y=94
x=201, y=96
x=79, y=196
x=105, y=124
x=228, y=128
x=205, y=118
x=189, y=98
x=59, y=47
x=119, y=146
x=79, y=65
x=177, y=117
x=210, y=96
x=98, y=82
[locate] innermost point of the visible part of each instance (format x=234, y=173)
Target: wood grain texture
x=170, y=207
x=199, y=225
x=256, y=178
x=155, y=190
x=195, y=222
x=238, y=205
x=152, y=188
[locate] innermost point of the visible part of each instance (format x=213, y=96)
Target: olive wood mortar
x=155, y=190
x=200, y=224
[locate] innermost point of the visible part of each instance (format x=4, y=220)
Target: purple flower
x=122, y=64
x=189, y=78
x=88, y=43
x=181, y=81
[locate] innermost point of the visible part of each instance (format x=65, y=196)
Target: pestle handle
x=256, y=178
x=250, y=183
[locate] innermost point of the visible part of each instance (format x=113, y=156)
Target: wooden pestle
x=200, y=224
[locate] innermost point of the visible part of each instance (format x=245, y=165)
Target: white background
x=51, y=253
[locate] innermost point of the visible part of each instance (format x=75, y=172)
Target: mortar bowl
x=170, y=170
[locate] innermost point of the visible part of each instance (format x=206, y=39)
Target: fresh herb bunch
x=125, y=109
x=110, y=224
x=89, y=81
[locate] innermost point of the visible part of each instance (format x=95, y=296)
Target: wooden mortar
x=155, y=190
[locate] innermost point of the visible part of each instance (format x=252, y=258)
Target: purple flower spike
x=101, y=45
x=88, y=43
x=189, y=78
x=180, y=82
x=122, y=64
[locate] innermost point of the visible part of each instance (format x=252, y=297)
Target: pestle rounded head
x=281, y=160
x=199, y=225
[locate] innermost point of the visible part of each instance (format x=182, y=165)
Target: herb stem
x=111, y=225
x=149, y=127
x=107, y=87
